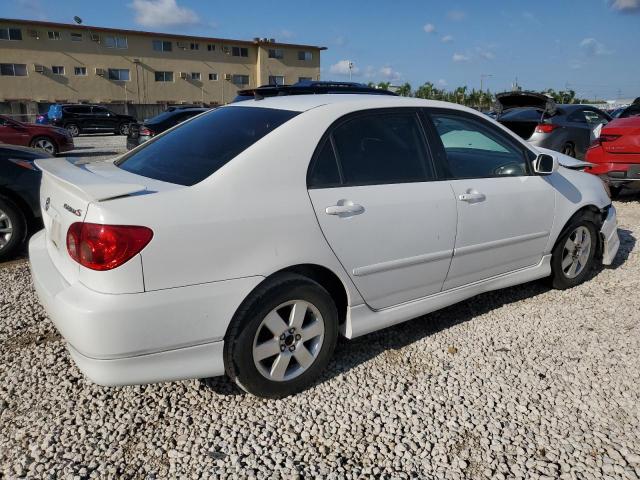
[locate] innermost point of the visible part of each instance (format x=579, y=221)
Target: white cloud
x=442, y=82
x=447, y=39
x=162, y=13
x=390, y=74
x=456, y=15
x=460, y=57
x=342, y=68
x=625, y=6
x=429, y=28
x=486, y=54
x=593, y=48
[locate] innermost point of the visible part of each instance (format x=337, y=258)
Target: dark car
x=535, y=117
x=19, y=197
x=632, y=110
x=140, y=133
x=51, y=139
x=79, y=119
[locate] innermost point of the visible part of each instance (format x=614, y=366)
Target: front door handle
x=345, y=208
x=472, y=197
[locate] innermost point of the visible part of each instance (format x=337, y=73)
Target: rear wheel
x=13, y=228
x=73, y=129
x=569, y=149
x=573, y=255
x=45, y=144
x=123, y=129
x=282, y=337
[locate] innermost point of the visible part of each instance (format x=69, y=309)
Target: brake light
x=105, y=247
x=604, y=137
x=146, y=131
x=545, y=128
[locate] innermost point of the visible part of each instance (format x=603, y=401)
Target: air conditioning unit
x=38, y=68
x=228, y=76
x=181, y=45
x=35, y=34
x=137, y=60
x=184, y=75
x=95, y=38
x=101, y=72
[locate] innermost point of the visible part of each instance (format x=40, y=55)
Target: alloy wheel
x=288, y=340
x=73, y=130
x=575, y=254
x=6, y=229
x=46, y=145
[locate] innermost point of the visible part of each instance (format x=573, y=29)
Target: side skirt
x=362, y=320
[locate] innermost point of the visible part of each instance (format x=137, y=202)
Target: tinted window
x=77, y=109
x=382, y=148
x=198, y=148
x=476, y=149
x=324, y=171
x=577, y=116
x=630, y=111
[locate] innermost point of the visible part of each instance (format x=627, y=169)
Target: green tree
x=404, y=90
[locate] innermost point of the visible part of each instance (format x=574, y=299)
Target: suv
x=140, y=133
x=79, y=119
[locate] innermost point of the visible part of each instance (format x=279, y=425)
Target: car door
x=13, y=133
x=381, y=208
x=505, y=212
x=103, y=119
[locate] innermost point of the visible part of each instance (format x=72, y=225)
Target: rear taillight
x=545, y=128
x=105, y=247
x=604, y=137
x=146, y=131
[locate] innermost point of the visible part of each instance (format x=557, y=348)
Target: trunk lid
x=629, y=131
x=509, y=100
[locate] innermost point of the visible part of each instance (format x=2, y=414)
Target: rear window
x=198, y=148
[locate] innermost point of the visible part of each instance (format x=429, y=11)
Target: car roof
x=302, y=103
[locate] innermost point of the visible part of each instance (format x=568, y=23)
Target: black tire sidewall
x=74, y=125
x=19, y=224
x=244, y=371
x=559, y=279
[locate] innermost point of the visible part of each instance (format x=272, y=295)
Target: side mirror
x=545, y=164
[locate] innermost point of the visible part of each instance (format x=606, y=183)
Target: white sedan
x=247, y=239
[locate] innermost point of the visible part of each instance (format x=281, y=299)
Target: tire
x=569, y=149
x=123, y=129
x=45, y=144
x=13, y=229
x=73, y=129
x=615, y=191
x=253, y=351
x=567, y=275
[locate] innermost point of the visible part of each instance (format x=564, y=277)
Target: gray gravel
x=522, y=383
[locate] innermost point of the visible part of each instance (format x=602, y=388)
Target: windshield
x=199, y=147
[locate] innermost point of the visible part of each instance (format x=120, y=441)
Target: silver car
x=569, y=129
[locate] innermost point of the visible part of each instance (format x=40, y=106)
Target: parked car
x=140, y=133
x=615, y=155
x=79, y=118
x=19, y=200
x=52, y=140
x=268, y=227
x=535, y=117
x=309, y=87
x=630, y=111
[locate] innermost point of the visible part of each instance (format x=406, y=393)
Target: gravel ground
x=525, y=382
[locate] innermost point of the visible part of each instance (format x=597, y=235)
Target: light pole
x=350, y=68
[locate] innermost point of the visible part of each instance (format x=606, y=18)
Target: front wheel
x=282, y=337
x=13, y=229
x=573, y=255
x=45, y=144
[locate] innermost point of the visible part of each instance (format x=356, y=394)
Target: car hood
x=508, y=100
x=565, y=160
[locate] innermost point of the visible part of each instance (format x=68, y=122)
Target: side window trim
x=524, y=151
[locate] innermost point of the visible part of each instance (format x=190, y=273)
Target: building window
x=164, y=76
x=211, y=47
x=57, y=70
x=161, y=46
x=194, y=46
x=305, y=56
x=76, y=37
x=13, y=69
x=240, y=80
x=213, y=76
x=112, y=41
x=54, y=35
x=239, y=51
x=304, y=79
x=10, y=34
x=276, y=53
x=276, y=79
x=80, y=71
x=121, y=74
x=195, y=76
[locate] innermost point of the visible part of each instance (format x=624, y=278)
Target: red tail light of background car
x=105, y=247
x=545, y=128
x=604, y=138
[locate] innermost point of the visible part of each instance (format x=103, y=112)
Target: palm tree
x=404, y=90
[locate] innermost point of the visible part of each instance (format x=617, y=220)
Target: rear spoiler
x=84, y=183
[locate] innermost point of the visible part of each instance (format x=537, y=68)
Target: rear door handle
x=345, y=209
x=472, y=197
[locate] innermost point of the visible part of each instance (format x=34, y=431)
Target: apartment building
x=46, y=62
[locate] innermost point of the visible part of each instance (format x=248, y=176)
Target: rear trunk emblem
x=76, y=211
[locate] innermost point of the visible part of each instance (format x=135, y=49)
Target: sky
x=590, y=46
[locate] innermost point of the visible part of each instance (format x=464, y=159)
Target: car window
x=594, y=118
x=324, y=171
x=200, y=147
x=77, y=109
x=577, y=116
x=382, y=148
x=476, y=149
x=630, y=111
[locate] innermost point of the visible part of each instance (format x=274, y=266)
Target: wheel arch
x=591, y=213
x=20, y=203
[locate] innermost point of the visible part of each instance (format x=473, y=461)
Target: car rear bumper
x=610, y=239
x=139, y=338
x=134, y=142
x=65, y=145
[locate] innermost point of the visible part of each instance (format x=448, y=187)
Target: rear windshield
x=199, y=147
